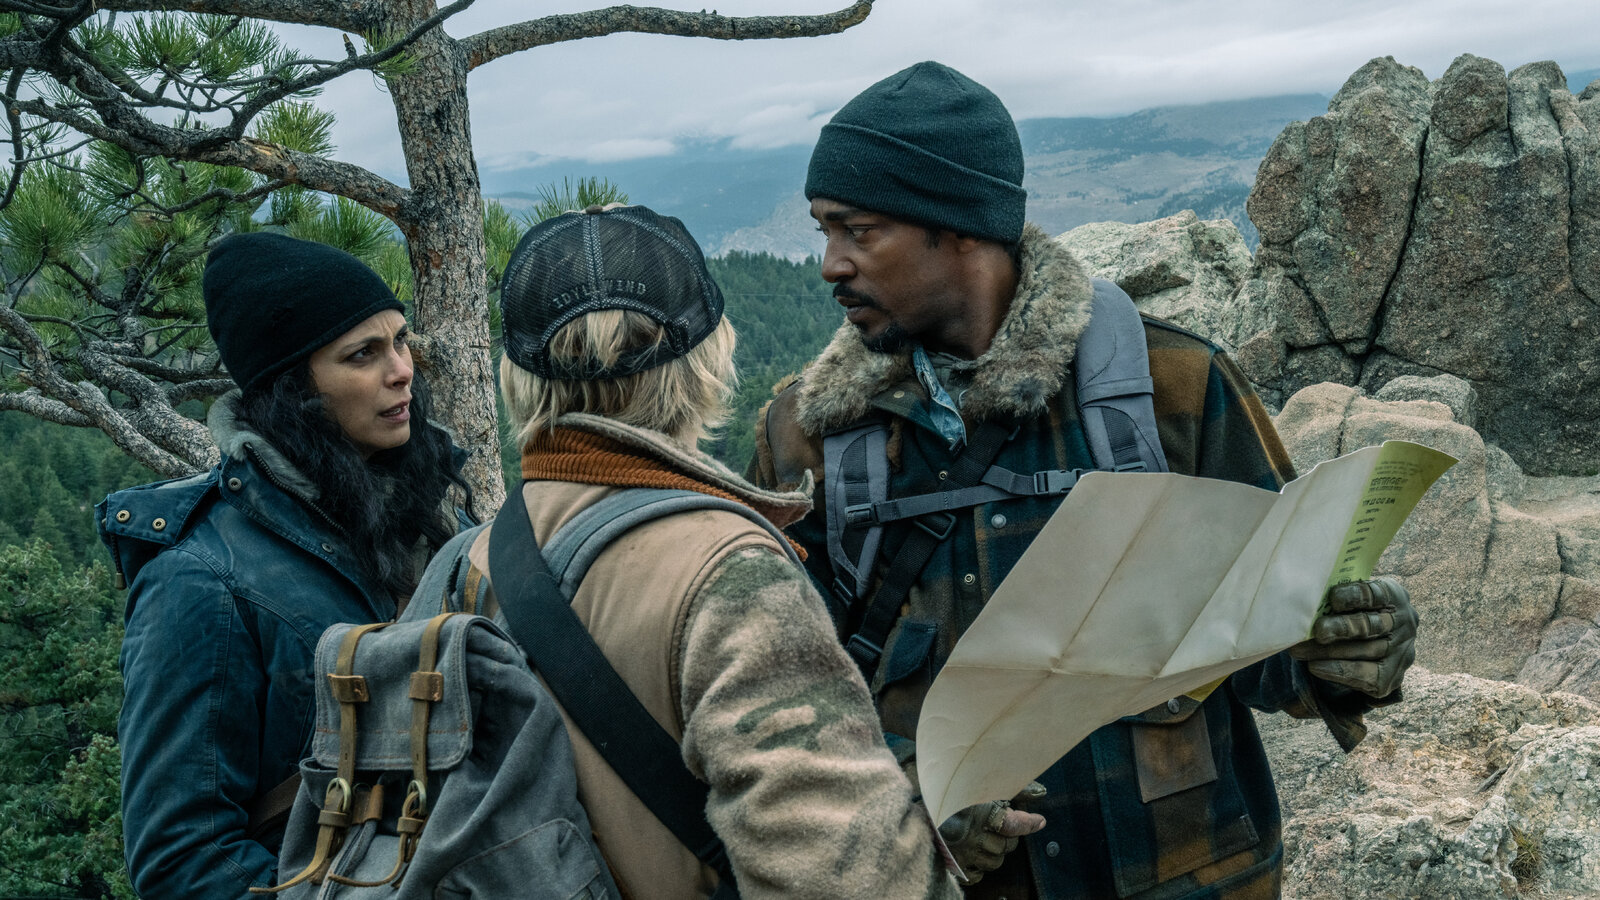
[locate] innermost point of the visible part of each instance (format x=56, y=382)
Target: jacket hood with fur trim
x=1025, y=365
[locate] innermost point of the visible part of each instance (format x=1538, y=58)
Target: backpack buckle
x=1135, y=466
x=939, y=532
x=865, y=653
x=1054, y=481
x=842, y=592
x=859, y=514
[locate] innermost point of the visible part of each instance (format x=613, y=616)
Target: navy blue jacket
x=232, y=581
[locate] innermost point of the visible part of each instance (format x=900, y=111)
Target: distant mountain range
x=1132, y=168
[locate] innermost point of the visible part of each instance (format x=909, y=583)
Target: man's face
x=895, y=288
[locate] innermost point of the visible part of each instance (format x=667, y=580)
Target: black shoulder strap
x=633, y=743
x=1114, y=392
x=865, y=645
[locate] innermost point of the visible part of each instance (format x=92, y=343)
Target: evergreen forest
x=61, y=616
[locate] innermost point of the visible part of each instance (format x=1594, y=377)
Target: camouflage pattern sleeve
x=805, y=795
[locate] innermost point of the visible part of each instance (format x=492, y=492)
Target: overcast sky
x=630, y=96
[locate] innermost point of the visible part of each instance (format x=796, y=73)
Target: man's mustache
x=845, y=292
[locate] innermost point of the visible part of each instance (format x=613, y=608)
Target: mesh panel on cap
x=625, y=258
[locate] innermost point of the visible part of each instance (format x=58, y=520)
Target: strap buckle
x=865, y=653
x=939, y=532
x=843, y=592
x=859, y=514
x=1055, y=481
x=1135, y=466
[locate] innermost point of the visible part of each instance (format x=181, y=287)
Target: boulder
x=1467, y=788
x=1451, y=228
x=1178, y=268
x=1485, y=577
x=1504, y=568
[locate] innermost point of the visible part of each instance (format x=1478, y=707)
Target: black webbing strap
x=998, y=484
x=865, y=646
x=605, y=709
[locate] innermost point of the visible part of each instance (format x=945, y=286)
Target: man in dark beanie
x=948, y=415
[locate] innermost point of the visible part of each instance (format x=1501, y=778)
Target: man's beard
x=893, y=338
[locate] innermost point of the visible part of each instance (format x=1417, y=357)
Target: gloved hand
x=1367, y=638
x=980, y=836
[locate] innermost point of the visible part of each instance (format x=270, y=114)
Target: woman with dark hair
x=328, y=500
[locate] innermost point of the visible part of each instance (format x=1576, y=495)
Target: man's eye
x=857, y=230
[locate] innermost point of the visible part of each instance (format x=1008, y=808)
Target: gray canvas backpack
x=439, y=768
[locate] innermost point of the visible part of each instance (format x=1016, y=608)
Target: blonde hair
x=685, y=398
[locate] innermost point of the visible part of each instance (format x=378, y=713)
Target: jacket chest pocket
x=1173, y=755
x=1168, y=794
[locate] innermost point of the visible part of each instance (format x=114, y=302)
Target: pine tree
x=201, y=92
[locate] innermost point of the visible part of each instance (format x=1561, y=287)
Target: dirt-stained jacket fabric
x=1214, y=837
x=730, y=649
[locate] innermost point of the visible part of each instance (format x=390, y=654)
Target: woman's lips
x=397, y=414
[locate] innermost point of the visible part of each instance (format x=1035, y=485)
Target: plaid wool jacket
x=1205, y=821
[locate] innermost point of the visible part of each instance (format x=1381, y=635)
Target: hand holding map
x=1143, y=587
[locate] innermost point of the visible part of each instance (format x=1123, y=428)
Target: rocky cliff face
x=1430, y=270
x=1451, y=227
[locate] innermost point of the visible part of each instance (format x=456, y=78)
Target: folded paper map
x=1143, y=587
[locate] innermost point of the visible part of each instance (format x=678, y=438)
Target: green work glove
x=1367, y=639
x=980, y=836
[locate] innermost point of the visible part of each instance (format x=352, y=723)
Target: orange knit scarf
x=566, y=454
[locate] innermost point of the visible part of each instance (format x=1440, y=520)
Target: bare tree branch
x=346, y=15
x=88, y=402
x=166, y=371
x=199, y=390
x=34, y=403
x=497, y=42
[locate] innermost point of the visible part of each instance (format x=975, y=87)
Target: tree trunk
x=443, y=225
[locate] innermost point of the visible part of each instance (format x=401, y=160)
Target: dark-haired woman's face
x=364, y=377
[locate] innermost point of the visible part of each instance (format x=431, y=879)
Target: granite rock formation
x=1468, y=788
x=1443, y=228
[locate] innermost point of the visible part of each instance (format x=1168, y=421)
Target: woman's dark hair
x=383, y=504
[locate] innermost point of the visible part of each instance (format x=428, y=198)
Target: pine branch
x=490, y=45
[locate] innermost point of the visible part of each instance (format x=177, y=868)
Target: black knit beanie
x=930, y=145
x=272, y=300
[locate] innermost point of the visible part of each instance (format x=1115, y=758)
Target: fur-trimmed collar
x=1025, y=365
x=781, y=508
x=234, y=438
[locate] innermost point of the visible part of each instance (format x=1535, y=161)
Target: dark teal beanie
x=929, y=145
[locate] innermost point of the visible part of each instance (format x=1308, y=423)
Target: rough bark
x=442, y=219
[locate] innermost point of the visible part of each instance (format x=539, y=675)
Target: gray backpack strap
x=444, y=582
x=576, y=544
x=1115, y=388
x=855, y=473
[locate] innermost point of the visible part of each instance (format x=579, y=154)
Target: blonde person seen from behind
x=618, y=360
